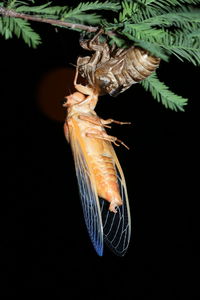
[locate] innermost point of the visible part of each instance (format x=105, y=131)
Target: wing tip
x=99, y=250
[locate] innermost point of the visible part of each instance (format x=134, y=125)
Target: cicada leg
x=98, y=134
x=84, y=89
x=101, y=122
x=102, y=50
x=109, y=121
x=93, y=120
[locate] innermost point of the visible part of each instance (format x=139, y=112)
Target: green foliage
x=80, y=13
x=45, y=9
x=184, y=45
x=21, y=28
x=162, y=93
x=163, y=3
x=163, y=27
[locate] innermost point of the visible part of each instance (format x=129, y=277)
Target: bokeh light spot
x=53, y=87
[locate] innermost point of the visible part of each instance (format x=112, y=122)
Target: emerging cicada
x=100, y=177
x=113, y=70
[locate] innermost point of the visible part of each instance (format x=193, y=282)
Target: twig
x=13, y=14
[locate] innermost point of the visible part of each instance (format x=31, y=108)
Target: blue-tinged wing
x=117, y=226
x=88, y=195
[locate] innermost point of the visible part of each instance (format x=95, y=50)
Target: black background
x=44, y=243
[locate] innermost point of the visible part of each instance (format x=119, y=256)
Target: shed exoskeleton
x=112, y=70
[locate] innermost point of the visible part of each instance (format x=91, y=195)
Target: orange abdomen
x=106, y=179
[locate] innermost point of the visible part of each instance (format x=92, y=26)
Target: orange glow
x=53, y=87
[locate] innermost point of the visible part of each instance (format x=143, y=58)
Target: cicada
x=100, y=177
x=112, y=70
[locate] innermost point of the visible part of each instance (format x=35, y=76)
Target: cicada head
x=73, y=99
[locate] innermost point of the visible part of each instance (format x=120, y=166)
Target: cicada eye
x=63, y=101
x=70, y=100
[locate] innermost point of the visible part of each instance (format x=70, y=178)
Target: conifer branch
x=13, y=14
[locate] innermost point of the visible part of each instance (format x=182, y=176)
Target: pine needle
x=162, y=94
x=20, y=28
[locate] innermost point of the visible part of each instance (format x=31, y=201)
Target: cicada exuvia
x=112, y=70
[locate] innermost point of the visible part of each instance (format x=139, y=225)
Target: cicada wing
x=117, y=226
x=88, y=195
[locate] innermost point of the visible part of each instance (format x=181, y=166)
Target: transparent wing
x=89, y=198
x=117, y=226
